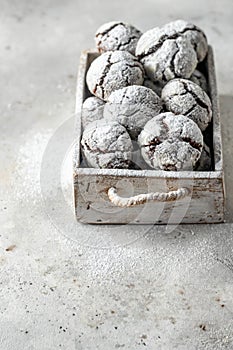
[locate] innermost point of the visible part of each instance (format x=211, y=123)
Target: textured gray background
x=69, y=286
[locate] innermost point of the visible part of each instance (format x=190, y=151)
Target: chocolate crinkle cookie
x=172, y=50
x=113, y=70
x=114, y=36
x=106, y=145
x=132, y=107
x=198, y=78
x=171, y=142
x=182, y=96
x=92, y=110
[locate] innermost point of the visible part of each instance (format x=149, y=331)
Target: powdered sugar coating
x=182, y=96
x=198, y=78
x=132, y=107
x=117, y=36
x=172, y=50
x=92, y=110
x=113, y=70
x=171, y=142
x=106, y=145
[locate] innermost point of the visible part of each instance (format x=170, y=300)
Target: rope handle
x=146, y=197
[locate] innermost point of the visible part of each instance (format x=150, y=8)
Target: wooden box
x=202, y=200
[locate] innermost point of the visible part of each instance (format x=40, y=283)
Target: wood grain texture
x=205, y=204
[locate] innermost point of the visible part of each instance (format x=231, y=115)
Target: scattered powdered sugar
x=28, y=166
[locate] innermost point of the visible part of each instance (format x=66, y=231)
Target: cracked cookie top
x=132, y=107
x=106, y=145
x=181, y=96
x=171, y=142
x=114, y=36
x=172, y=50
x=113, y=70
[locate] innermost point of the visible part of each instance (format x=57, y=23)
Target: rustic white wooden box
x=204, y=200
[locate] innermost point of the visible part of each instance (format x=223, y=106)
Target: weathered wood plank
x=204, y=204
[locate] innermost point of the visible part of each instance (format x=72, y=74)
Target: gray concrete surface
x=68, y=286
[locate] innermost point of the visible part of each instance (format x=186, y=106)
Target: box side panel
x=204, y=205
x=80, y=96
x=82, y=93
x=217, y=139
